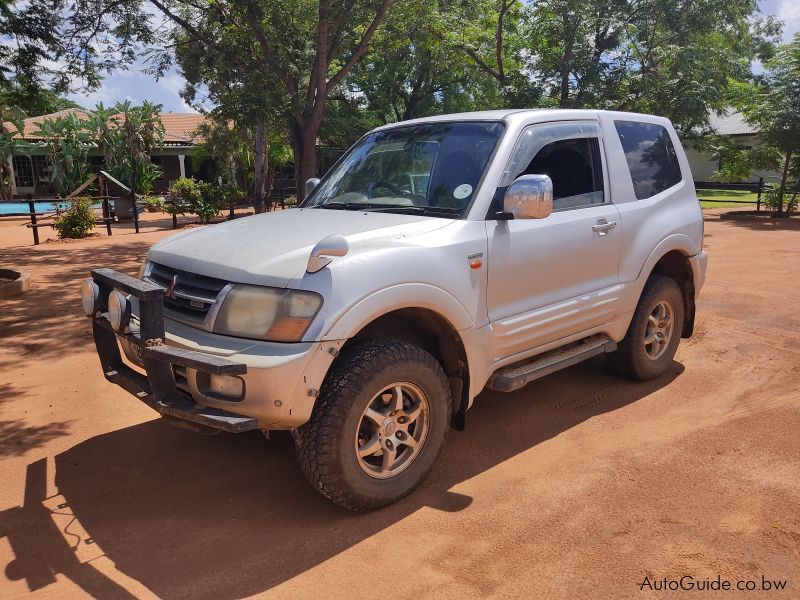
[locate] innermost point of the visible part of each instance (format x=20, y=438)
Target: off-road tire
x=325, y=444
x=630, y=359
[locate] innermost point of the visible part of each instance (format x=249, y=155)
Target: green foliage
x=124, y=136
x=774, y=106
x=737, y=162
x=67, y=143
x=153, y=203
x=37, y=62
x=75, y=219
x=128, y=141
x=782, y=204
x=329, y=70
x=10, y=142
x=231, y=146
x=203, y=199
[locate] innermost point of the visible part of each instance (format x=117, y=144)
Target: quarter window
x=651, y=157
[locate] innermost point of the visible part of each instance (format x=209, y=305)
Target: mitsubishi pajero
x=436, y=258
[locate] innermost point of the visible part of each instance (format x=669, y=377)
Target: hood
x=273, y=248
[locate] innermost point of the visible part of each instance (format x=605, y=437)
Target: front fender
x=404, y=295
x=419, y=295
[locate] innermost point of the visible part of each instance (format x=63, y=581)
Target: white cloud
x=787, y=11
x=136, y=86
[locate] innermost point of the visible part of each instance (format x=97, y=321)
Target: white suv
x=438, y=257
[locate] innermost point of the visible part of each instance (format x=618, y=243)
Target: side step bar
x=515, y=376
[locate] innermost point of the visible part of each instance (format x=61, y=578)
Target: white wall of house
x=704, y=165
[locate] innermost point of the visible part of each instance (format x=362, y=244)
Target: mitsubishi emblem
x=170, y=291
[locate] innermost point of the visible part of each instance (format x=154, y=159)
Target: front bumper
x=278, y=382
x=699, y=264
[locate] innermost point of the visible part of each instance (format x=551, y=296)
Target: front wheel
x=654, y=332
x=378, y=425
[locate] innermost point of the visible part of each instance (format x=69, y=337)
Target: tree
x=416, y=73
x=134, y=133
x=233, y=80
x=233, y=147
x=10, y=142
x=490, y=34
x=667, y=57
x=38, y=63
x=304, y=49
x=67, y=143
x=775, y=109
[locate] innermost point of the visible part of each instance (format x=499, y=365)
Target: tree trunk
x=566, y=60
x=784, y=176
x=793, y=202
x=260, y=165
x=565, y=70
x=268, y=188
x=5, y=188
x=304, y=145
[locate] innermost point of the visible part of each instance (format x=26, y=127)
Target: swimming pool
x=42, y=206
x=8, y=208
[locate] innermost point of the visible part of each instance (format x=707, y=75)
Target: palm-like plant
x=68, y=143
x=10, y=143
x=138, y=131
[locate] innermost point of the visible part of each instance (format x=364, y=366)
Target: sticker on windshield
x=462, y=191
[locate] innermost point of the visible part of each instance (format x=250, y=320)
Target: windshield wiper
x=433, y=211
x=347, y=205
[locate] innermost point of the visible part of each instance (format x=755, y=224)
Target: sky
x=136, y=86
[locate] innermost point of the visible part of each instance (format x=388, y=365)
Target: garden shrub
x=771, y=198
x=152, y=202
x=203, y=199
x=75, y=218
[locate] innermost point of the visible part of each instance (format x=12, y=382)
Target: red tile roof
x=182, y=127
x=179, y=128
x=31, y=124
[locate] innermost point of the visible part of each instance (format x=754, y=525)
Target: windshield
x=430, y=169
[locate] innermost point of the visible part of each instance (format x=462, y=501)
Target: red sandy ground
x=577, y=486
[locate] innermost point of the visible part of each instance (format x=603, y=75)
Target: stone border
x=20, y=282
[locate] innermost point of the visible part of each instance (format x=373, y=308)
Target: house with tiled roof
x=31, y=169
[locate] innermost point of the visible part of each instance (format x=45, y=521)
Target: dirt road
x=578, y=486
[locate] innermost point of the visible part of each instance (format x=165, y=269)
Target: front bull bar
x=157, y=387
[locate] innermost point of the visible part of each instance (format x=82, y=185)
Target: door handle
x=601, y=227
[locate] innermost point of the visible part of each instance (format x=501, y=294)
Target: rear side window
x=651, y=157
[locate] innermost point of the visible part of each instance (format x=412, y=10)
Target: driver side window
x=575, y=168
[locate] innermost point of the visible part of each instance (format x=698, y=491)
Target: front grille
x=191, y=296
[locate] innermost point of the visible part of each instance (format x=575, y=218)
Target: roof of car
x=509, y=114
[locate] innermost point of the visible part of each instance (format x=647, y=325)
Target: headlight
x=119, y=310
x=264, y=313
x=144, y=269
x=90, y=297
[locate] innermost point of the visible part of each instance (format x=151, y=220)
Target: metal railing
x=756, y=187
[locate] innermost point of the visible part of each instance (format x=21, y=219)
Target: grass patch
x=722, y=198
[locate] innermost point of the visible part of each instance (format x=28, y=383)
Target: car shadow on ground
x=229, y=516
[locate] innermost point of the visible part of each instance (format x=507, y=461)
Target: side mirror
x=311, y=184
x=529, y=197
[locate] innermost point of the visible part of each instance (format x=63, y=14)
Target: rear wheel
x=654, y=333
x=378, y=425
